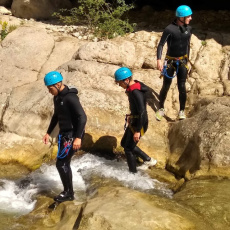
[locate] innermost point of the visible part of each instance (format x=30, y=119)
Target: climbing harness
x=178, y=62
x=67, y=144
x=127, y=120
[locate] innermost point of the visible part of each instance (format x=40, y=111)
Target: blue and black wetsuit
x=178, y=42
x=138, y=122
x=70, y=116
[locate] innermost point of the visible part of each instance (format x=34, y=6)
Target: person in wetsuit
x=137, y=120
x=177, y=35
x=70, y=116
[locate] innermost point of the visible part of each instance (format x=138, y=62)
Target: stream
x=19, y=197
x=206, y=197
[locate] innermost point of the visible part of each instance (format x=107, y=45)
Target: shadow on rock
x=190, y=159
x=103, y=147
x=153, y=101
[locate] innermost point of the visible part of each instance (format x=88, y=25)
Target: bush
x=103, y=18
x=5, y=30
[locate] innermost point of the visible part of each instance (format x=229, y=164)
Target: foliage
x=104, y=18
x=203, y=43
x=5, y=30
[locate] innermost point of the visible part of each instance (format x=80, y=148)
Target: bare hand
x=136, y=136
x=46, y=138
x=159, y=65
x=77, y=144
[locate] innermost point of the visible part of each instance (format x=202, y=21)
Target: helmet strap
x=127, y=84
x=181, y=20
x=58, y=89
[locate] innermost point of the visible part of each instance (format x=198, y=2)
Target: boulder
x=121, y=208
x=202, y=142
x=42, y=9
x=4, y=11
x=22, y=57
x=27, y=152
x=207, y=198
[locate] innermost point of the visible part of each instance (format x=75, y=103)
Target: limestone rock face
x=4, y=11
x=27, y=53
x=206, y=197
x=203, y=140
x=32, y=50
x=27, y=152
x=125, y=209
x=37, y=9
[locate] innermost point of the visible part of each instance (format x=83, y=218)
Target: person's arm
x=78, y=120
x=53, y=123
x=46, y=138
x=160, y=47
x=140, y=103
x=188, y=51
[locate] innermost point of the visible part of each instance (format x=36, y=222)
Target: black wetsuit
x=178, y=41
x=70, y=116
x=138, y=122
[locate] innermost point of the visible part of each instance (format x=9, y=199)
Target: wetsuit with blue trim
x=70, y=116
x=178, y=42
x=137, y=122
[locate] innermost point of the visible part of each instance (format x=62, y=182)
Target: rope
x=164, y=71
x=65, y=151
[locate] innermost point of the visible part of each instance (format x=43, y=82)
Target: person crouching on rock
x=137, y=120
x=71, y=117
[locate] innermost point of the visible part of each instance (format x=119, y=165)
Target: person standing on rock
x=71, y=117
x=177, y=35
x=137, y=120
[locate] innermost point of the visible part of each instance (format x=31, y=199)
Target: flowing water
x=19, y=197
x=207, y=198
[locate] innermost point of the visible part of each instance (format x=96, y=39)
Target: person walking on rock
x=177, y=35
x=137, y=120
x=70, y=116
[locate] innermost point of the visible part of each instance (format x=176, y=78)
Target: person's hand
x=159, y=65
x=46, y=138
x=136, y=136
x=76, y=144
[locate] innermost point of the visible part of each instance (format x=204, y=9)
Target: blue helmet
x=183, y=11
x=52, y=78
x=122, y=73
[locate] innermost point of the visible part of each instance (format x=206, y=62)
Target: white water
x=19, y=197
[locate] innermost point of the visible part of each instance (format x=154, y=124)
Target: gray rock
x=42, y=9
x=202, y=142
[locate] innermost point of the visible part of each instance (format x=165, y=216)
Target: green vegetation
x=6, y=29
x=104, y=19
x=203, y=43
